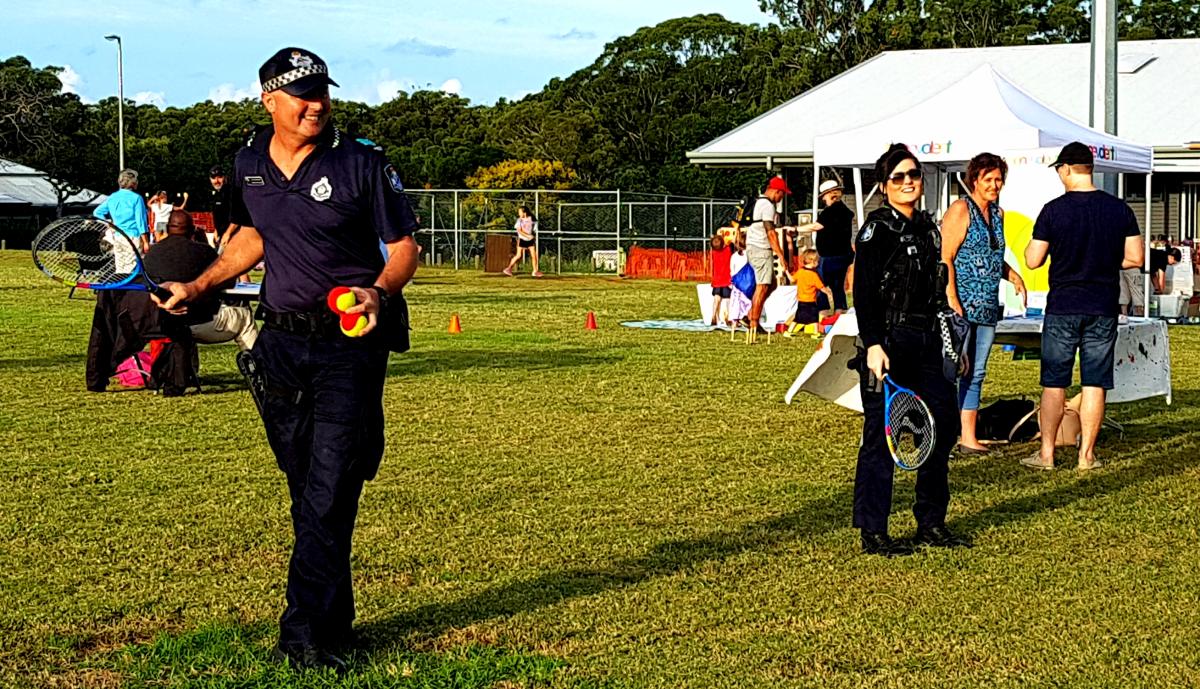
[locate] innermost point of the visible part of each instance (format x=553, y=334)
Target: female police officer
x=899, y=288
x=316, y=205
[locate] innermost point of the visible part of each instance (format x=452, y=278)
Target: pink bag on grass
x=134, y=372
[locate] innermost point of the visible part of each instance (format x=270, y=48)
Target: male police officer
x=315, y=205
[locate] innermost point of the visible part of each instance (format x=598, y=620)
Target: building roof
x=1153, y=107
x=23, y=184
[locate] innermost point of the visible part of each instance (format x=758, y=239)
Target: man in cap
x=762, y=246
x=315, y=205
x=834, y=242
x=1090, y=236
x=219, y=202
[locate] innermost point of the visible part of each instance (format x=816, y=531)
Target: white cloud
x=227, y=92
x=155, y=98
x=388, y=89
x=453, y=86
x=71, y=80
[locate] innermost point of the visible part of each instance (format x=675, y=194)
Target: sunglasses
x=913, y=174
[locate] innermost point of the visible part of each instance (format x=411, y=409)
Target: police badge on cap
x=295, y=71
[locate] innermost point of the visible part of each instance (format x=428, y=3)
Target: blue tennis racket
x=908, y=425
x=89, y=253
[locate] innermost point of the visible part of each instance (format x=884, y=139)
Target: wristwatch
x=384, y=297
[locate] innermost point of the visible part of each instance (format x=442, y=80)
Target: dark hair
x=527, y=212
x=887, y=162
x=1175, y=254
x=717, y=241
x=982, y=164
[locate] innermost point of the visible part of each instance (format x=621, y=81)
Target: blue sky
x=178, y=53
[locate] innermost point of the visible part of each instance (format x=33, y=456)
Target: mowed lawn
x=564, y=508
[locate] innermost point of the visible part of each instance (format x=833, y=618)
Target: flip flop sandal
x=1034, y=461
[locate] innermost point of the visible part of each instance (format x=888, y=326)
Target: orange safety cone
x=591, y=321
x=455, y=325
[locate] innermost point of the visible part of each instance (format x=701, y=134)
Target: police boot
x=309, y=658
x=880, y=543
x=940, y=537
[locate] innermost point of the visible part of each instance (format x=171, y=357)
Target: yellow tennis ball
x=346, y=300
x=353, y=324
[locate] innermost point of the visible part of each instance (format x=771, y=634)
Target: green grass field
x=563, y=508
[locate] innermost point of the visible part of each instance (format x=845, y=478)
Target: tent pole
x=858, y=196
x=1146, y=259
x=816, y=184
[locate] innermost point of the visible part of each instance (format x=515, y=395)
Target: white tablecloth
x=1141, y=362
x=779, y=306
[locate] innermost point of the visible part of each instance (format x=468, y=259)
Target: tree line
x=625, y=121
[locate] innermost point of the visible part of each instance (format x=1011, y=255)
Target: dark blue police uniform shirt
x=321, y=228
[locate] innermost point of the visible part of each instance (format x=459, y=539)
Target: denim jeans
x=832, y=270
x=979, y=348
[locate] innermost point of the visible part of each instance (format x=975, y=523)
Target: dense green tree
x=624, y=121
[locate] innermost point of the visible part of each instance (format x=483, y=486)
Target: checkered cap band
x=296, y=74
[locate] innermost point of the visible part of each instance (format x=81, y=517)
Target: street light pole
x=120, y=100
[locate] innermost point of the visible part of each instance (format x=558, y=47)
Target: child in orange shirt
x=808, y=283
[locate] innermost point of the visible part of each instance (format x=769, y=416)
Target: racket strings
x=911, y=429
x=85, y=251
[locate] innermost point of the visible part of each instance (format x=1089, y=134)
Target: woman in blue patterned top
x=973, y=248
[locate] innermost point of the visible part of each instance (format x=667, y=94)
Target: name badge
x=253, y=181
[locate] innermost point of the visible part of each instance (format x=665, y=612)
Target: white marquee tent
x=983, y=111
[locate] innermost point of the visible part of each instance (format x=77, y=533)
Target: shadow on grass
x=425, y=363
x=494, y=299
x=816, y=517
x=52, y=361
x=236, y=655
x=670, y=557
x=225, y=656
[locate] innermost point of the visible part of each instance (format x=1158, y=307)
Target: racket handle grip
x=161, y=292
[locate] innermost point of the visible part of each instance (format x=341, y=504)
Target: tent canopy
x=982, y=112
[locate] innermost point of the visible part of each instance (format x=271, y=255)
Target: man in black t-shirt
x=1160, y=259
x=180, y=258
x=835, y=225
x=1090, y=236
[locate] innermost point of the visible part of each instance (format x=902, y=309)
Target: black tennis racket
x=89, y=253
x=908, y=426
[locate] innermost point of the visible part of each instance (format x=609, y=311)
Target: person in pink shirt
x=525, y=226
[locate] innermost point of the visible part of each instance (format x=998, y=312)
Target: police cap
x=294, y=70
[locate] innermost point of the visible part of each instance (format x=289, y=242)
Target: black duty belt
x=308, y=323
x=918, y=321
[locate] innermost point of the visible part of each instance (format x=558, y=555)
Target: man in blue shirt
x=314, y=204
x=126, y=209
x=1090, y=236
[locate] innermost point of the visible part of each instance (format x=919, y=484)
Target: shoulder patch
x=865, y=234
x=369, y=144
x=393, y=178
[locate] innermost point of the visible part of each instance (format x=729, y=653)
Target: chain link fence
x=577, y=231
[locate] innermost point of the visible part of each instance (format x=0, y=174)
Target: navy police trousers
x=323, y=413
x=915, y=359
